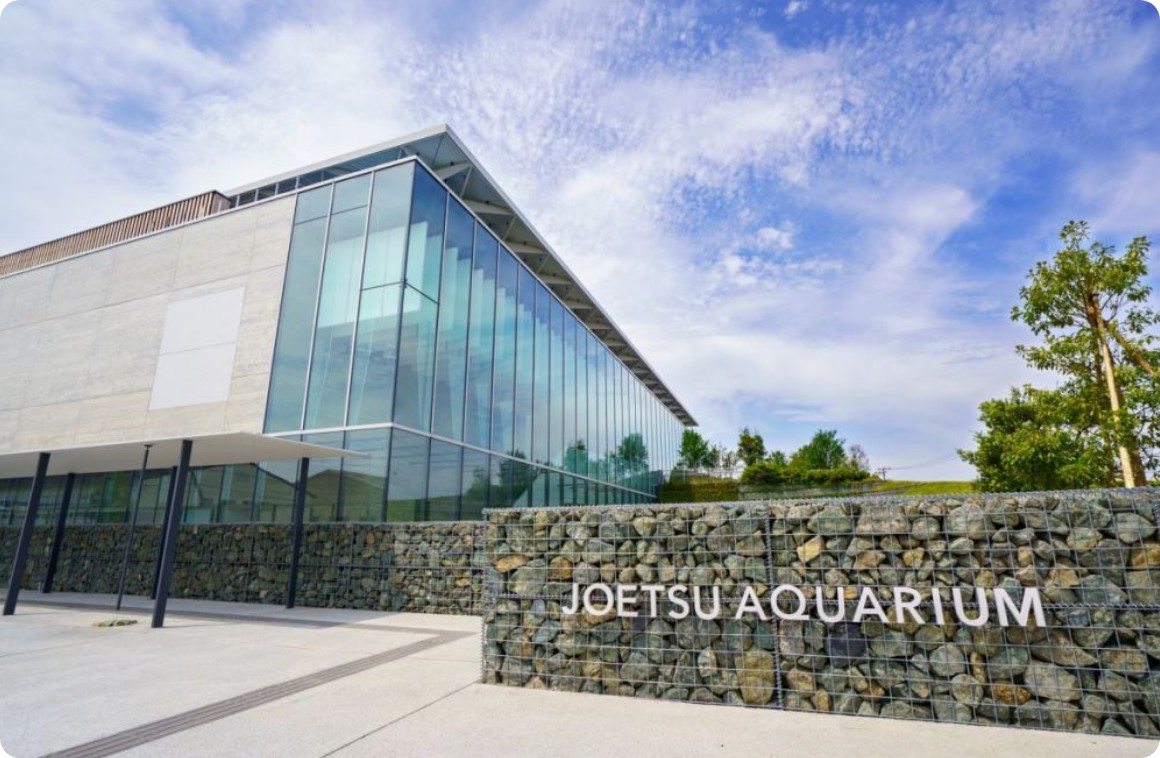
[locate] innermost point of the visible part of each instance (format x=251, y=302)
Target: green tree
x=857, y=459
x=823, y=451
x=632, y=453
x=1088, y=307
x=576, y=457
x=694, y=451
x=778, y=458
x=1040, y=440
x=750, y=447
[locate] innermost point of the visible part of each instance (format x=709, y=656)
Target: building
x=391, y=302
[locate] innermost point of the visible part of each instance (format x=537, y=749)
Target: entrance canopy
x=208, y=450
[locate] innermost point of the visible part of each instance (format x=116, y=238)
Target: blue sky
x=805, y=214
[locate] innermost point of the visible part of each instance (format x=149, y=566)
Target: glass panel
x=364, y=479
x=274, y=491
x=201, y=498
x=337, y=313
x=581, y=400
x=502, y=412
x=237, y=495
x=569, y=397
x=407, y=487
x=554, y=488
x=476, y=484
x=295, y=327
x=500, y=473
x=556, y=391
x=324, y=484
x=538, y=487
x=542, y=372
x=594, y=427
x=443, y=482
x=520, y=474
x=372, y=388
x=454, y=301
x=425, y=244
x=352, y=193
x=477, y=430
x=525, y=364
x=312, y=204
x=387, y=229
x=416, y=361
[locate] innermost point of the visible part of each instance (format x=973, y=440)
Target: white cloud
x=1124, y=196
x=646, y=143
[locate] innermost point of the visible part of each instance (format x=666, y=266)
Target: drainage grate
x=156, y=730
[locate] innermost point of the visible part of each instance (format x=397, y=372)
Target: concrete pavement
x=227, y=679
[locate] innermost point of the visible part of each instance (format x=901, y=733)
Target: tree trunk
x=1131, y=466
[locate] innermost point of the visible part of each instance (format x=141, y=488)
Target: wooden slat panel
x=125, y=229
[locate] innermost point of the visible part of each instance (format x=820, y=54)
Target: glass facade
x=493, y=392
x=409, y=332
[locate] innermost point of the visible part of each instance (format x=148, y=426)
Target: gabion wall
x=1092, y=665
x=421, y=567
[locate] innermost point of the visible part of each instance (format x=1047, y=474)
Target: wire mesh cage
x=1036, y=610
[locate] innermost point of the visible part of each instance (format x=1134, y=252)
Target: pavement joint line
x=397, y=719
x=161, y=728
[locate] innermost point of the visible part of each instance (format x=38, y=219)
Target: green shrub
x=770, y=473
x=700, y=490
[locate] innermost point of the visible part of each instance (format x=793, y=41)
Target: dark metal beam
x=172, y=525
x=58, y=536
x=161, y=537
x=21, y=558
x=296, y=540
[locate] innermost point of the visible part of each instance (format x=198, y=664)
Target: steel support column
x=172, y=525
x=161, y=537
x=21, y=558
x=58, y=536
x=296, y=542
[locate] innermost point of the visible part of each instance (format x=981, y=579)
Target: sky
x=805, y=214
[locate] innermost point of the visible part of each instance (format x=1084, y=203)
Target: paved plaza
x=229, y=679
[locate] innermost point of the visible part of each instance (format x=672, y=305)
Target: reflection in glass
x=481, y=339
x=541, y=410
x=407, y=476
x=443, y=482
x=364, y=479
x=416, y=361
x=337, y=312
x=556, y=388
x=295, y=326
x=425, y=243
x=351, y=193
x=525, y=359
x=454, y=302
x=503, y=388
x=476, y=484
x=274, y=491
x=312, y=204
x=375, y=356
x=387, y=228
x=324, y=485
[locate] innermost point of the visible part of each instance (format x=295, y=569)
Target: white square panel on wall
x=196, y=361
x=203, y=321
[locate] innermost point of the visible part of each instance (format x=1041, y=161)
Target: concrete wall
x=1093, y=559
x=419, y=567
x=80, y=339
